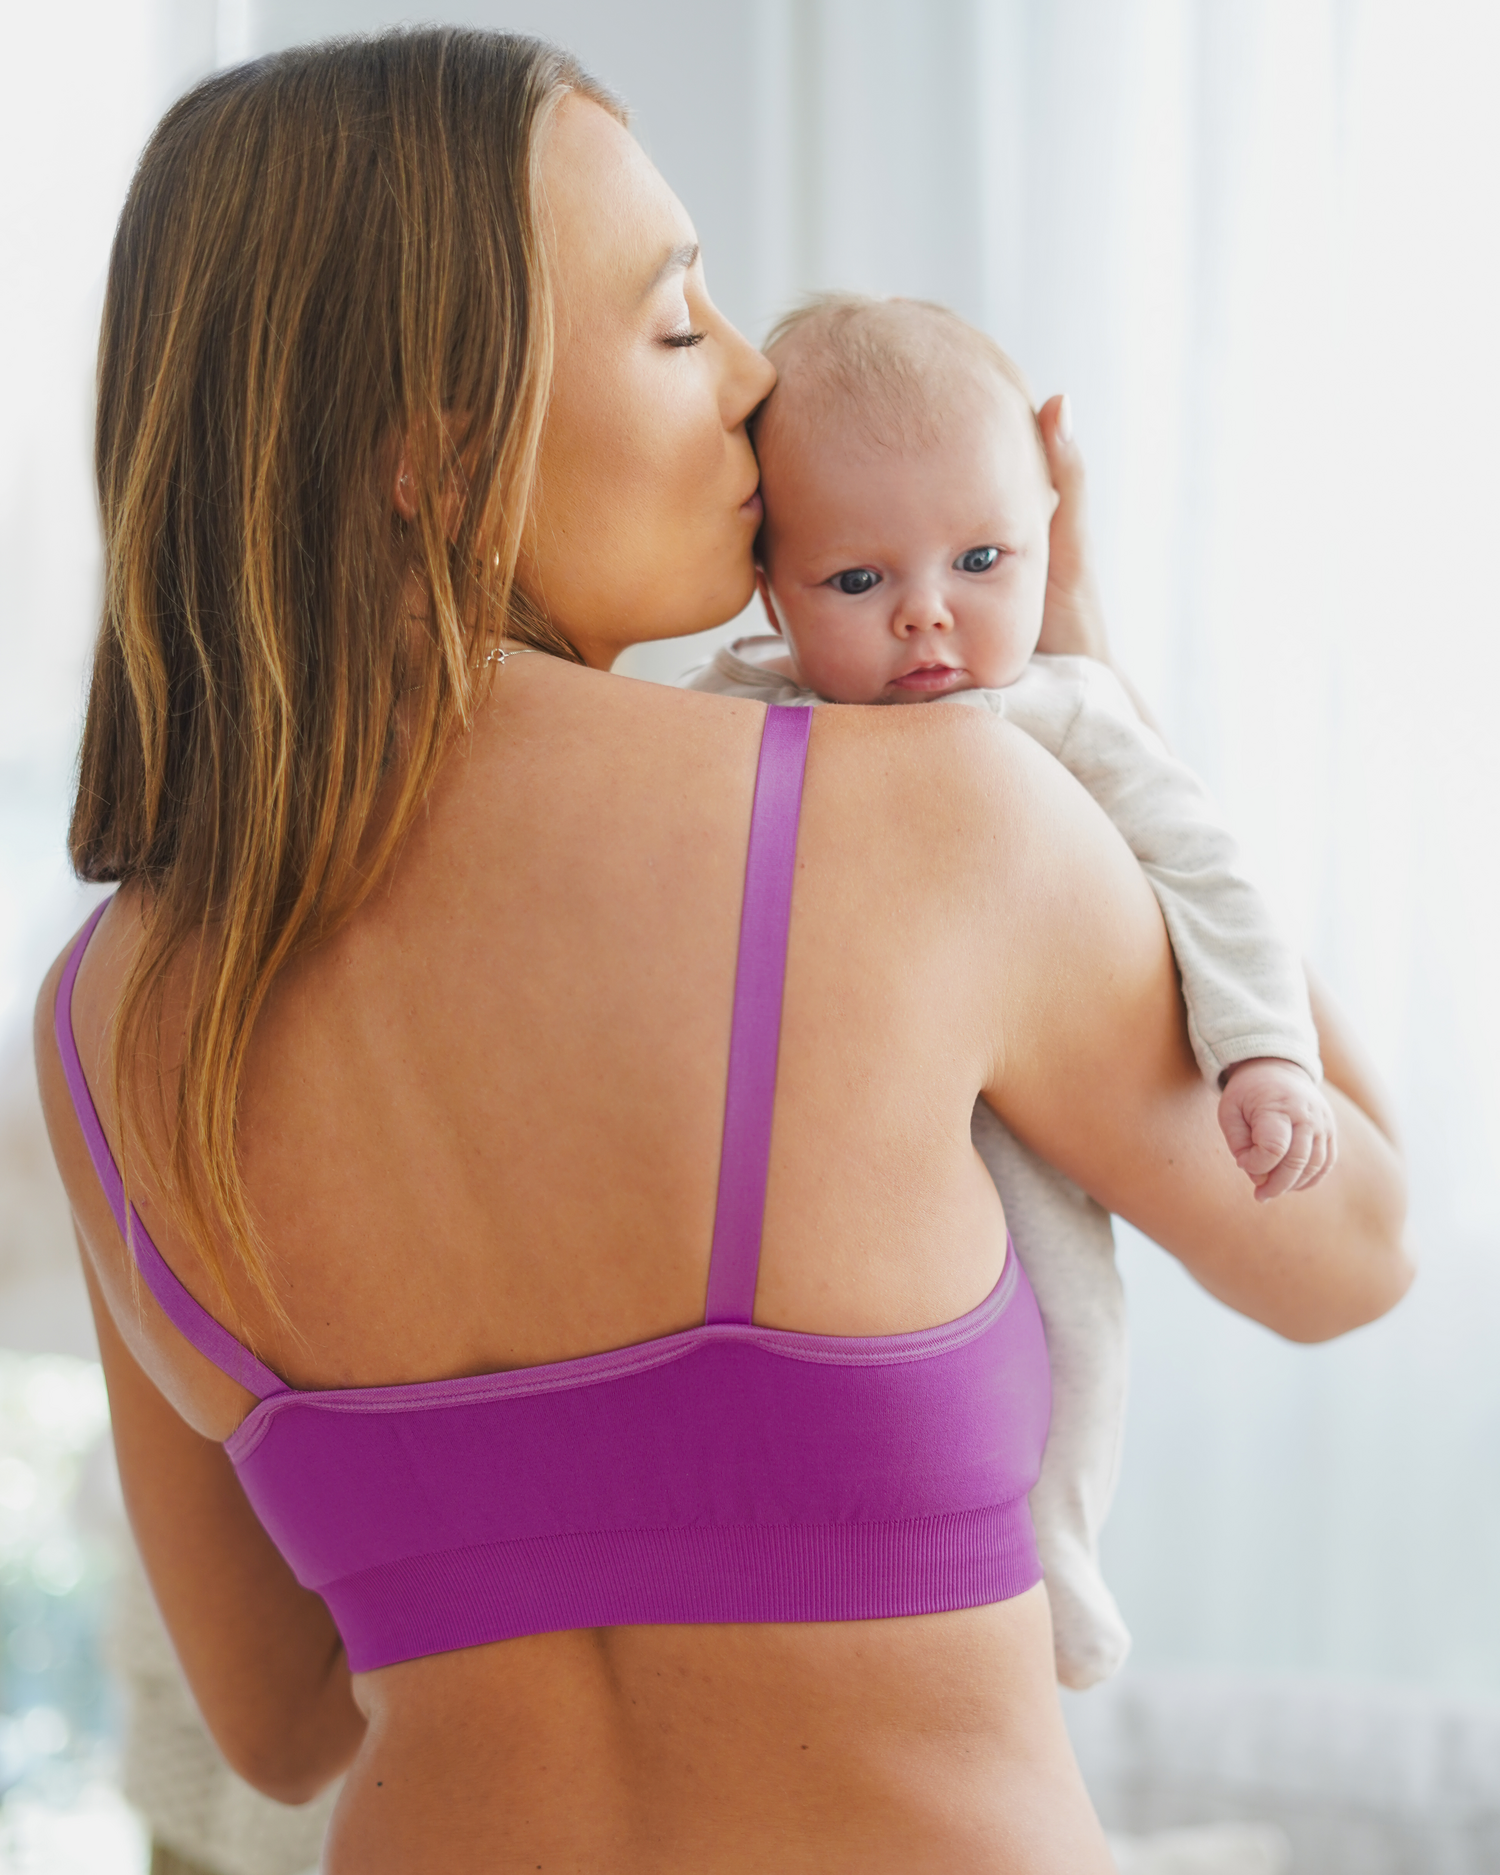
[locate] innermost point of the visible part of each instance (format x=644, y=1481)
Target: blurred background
x=1258, y=242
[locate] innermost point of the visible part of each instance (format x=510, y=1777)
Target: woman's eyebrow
x=678, y=261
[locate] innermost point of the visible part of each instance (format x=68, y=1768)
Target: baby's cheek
x=848, y=674
x=840, y=662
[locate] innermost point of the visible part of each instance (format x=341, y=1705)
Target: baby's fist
x=1278, y=1125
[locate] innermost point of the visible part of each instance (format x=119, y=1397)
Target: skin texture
x=902, y=570
x=656, y=541
x=481, y=1128
x=910, y=526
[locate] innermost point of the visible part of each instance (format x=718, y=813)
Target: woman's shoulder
x=83, y=1012
x=101, y=959
x=208, y=1399
x=960, y=787
x=966, y=782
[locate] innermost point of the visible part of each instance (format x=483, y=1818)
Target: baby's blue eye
x=977, y=559
x=855, y=580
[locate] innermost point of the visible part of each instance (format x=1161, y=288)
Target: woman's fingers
x=1065, y=463
x=1073, y=621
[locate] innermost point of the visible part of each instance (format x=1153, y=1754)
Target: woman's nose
x=748, y=377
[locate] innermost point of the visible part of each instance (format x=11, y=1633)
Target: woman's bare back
x=482, y=1124
x=481, y=1130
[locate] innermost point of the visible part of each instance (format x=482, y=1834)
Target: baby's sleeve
x=1244, y=986
x=730, y=674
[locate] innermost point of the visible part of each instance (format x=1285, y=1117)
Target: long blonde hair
x=326, y=256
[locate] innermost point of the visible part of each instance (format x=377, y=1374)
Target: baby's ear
x=763, y=587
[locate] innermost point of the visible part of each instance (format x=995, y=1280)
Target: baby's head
x=904, y=550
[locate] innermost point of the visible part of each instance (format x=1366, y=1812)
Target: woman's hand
x=1073, y=622
x=1073, y=618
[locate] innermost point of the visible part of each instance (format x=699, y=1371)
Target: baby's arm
x=1249, y=1019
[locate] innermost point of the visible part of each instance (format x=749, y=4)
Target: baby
x=903, y=560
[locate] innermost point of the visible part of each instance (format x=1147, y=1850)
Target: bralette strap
x=186, y=1314
x=755, y=1035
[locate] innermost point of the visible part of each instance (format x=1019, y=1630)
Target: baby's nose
x=923, y=611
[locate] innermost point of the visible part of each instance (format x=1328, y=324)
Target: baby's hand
x=1278, y=1125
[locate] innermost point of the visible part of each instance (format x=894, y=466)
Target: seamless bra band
x=726, y=1473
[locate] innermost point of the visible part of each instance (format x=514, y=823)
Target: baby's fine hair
x=895, y=364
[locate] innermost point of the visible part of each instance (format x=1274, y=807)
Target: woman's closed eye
x=977, y=560
x=684, y=339
x=854, y=580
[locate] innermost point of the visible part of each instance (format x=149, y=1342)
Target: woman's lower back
x=931, y=1742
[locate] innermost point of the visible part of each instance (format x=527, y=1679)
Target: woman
x=412, y=1016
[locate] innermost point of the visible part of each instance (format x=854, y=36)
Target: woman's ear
x=404, y=487
x=455, y=483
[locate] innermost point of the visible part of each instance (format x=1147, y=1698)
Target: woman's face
x=646, y=507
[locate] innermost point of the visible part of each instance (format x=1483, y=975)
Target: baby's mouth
x=926, y=679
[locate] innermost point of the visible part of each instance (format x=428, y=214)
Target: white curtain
x=1256, y=240
x=1280, y=262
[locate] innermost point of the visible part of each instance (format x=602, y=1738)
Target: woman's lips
x=927, y=677
x=754, y=508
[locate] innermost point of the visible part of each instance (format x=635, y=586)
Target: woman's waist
x=737, y=1746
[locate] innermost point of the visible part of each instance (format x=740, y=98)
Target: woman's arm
x=260, y=1652
x=1096, y=1074
x=1346, y=1066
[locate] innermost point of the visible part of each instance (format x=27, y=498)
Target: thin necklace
x=502, y=652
